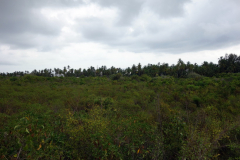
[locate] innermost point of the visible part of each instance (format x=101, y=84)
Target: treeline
x=230, y=63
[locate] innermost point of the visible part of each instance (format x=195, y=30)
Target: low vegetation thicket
x=133, y=118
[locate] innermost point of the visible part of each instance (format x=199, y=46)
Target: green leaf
x=16, y=127
x=27, y=130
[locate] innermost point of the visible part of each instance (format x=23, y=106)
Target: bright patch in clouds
x=69, y=15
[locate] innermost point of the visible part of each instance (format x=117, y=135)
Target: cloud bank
x=141, y=27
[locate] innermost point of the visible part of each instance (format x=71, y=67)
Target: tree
x=134, y=70
x=139, y=69
x=181, y=68
x=230, y=63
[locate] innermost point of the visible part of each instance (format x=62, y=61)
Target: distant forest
x=230, y=63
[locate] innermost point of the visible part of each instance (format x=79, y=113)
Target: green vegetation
x=120, y=117
x=183, y=111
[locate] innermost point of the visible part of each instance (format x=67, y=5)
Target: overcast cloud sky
x=38, y=34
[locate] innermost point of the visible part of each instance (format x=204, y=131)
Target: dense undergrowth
x=120, y=117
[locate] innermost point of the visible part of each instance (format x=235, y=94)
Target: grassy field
x=129, y=118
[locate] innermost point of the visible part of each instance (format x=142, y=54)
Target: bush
x=13, y=79
x=197, y=100
x=116, y=76
x=135, y=77
x=193, y=75
x=145, y=77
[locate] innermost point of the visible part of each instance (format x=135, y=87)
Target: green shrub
x=116, y=76
x=135, y=77
x=193, y=75
x=13, y=78
x=197, y=100
x=145, y=77
x=129, y=118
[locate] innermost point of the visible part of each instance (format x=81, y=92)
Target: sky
x=39, y=34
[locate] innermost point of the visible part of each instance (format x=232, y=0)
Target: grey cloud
x=19, y=17
x=165, y=25
x=38, y=4
x=214, y=25
x=6, y=63
x=29, y=40
x=95, y=29
x=128, y=10
x=167, y=8
x=21, y=22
